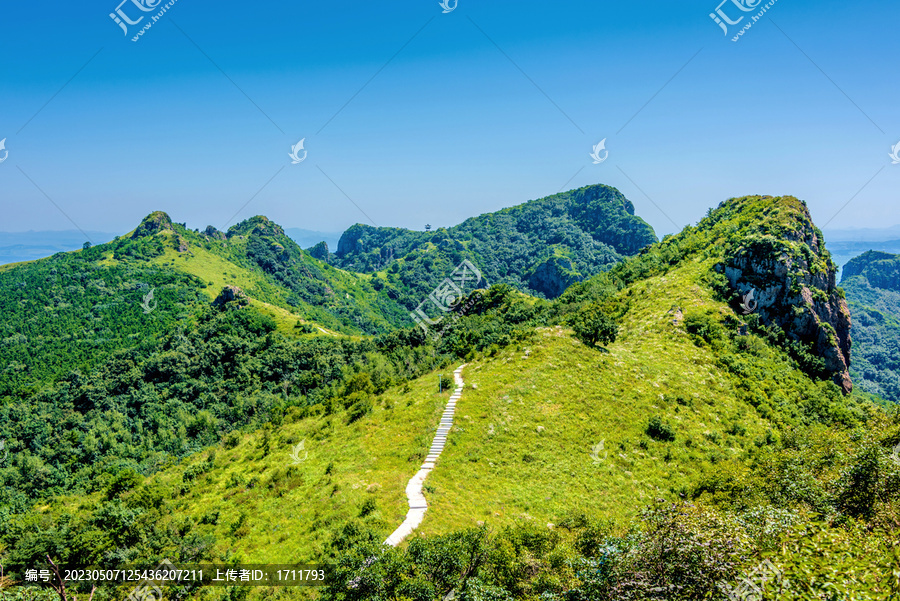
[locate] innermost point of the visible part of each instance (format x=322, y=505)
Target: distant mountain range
x=309, y=238
x=15, y=247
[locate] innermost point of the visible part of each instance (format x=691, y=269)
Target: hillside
x=649, y=434
x=72, y=311
x=541, y=246
x=872, y=284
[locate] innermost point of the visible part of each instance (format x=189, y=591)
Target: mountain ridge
x=541, y=246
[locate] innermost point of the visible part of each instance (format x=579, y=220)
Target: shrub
x=359, y=410
x=592, y=326
x=659, y=430
x=123, y=481
x=368, y=507
x=704, y=327
x=231, y=440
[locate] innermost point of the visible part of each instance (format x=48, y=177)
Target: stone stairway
x=417, y=503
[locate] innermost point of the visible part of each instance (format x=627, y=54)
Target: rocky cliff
x=783, y=273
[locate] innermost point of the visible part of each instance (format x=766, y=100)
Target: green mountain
x=541, y=247
x=653, y=433
x=872, y=285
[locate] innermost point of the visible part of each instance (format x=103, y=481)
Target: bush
x=122, y=482
x=359, y=410
x=446, y=382
x=704, y=327
x=592, y=326
x=659, y=430
x=231, y=440
x=368, y=507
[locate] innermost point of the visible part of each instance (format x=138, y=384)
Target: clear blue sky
x=450, y=127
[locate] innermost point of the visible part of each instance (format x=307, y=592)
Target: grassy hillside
x=258, y=256
x=534, y=420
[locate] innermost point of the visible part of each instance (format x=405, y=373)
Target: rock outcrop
x=211, y=232
x=231, y=294
x=153, y=223
x=320, y=251
x=793, y=281
x=553, y=276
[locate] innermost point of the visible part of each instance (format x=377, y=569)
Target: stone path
x=417, y=504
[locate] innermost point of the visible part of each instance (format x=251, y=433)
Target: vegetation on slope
x=540, y=247
x=872, y=285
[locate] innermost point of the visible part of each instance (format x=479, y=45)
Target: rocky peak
x=259, y=225
x=783, y=262
x=211, y=232
x=153, y=223
x=320, y=251
x=351, y=240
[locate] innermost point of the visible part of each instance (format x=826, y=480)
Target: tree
x=593, y=326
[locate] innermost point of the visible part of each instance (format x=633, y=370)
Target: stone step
x=415, y=498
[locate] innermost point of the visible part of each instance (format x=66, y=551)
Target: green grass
x=521, y=446
x=523, y=440
x=292, y=508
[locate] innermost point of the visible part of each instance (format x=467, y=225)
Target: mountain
x=871, y=282
x=28, y=246
x=541, y=246
x=653, y=432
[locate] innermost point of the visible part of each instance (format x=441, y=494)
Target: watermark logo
x=751, y=587
x=895, y=455
x=447, y=296
x=723, y=19
x=895, y=153
x=147, y=589
x=296, y=459
x=5, y=453
x=749, y=303
x=148, y=298
x=596, y=450
x=601, y=147
x=121, y=18
x=295, y=152
x=448, y=8
x=124, y=20
x=6, y=152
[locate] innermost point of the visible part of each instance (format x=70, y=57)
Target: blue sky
x=484, y=107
